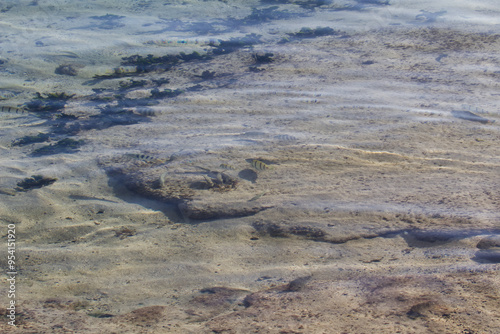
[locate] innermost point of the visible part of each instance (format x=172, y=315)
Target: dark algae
x=118, y=72
x=236, y=43
x=152, y=63
x=100, y=315
x=312, y=33
x=26, y=140
x=67, y=69
x=132, y=84
x=263, y=58
x=267, y=14
x=48, y=103
x=307, y=32
x=34, y=182
x=157, y=94
x=66, y=145
x=207, y=75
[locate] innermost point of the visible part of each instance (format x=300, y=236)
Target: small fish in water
x=181, y=42
x=473, y=109
x=162, y=179
x=6, y=191
x=146, y=112
x=259, y=165
x=468, y=116
x=285, y=137
x=13, y=110
x=256, y=197
x=90, y=198
x=209, y=181
x=144, y=157
x=227, y=166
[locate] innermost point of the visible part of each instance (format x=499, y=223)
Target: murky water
x=262, y=166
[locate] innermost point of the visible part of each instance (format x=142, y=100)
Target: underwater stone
x=66, y=145
x=67, y=69
x=489, y=242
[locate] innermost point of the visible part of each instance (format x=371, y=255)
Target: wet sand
x=379, y=212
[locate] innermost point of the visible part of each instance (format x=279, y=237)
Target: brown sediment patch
x=419, y=231
x=464, y=301
x=143, y=317
x=215, y=301
x=386, y=304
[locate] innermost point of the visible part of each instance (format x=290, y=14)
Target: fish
x=203, y=168
x=255, y=134
x=144, y=157
x=468, y=116
x=182, y=42
x=162, y=180
x=227, y=166
x=285, y=137
x=6, y=191
x=5, y=95
x=256, y=197
x=209, y=181
x=13, y=110
x=259, y=165
x=473, y=109
x=90, y=198
x=124, y=70
x=117, y=72
x=145, y=111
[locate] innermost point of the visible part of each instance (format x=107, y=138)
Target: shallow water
x=376, y=123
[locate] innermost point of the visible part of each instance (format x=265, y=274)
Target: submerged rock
x=204, y=211
x=200, y=193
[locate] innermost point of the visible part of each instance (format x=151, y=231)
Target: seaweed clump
x=118, y=72
x=151, y=63
x=263, y=58
x=132, y=84
x=51, y=102
x=306, y=32
x=207, y=75
x=26, y=140
x=66, y=145
x=220, y=181
x=235, y=43
x=266, y=14
x=34, y=182
x=67, y=69
x=312, y=33
x=157, y=94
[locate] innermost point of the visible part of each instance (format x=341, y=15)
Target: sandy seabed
x=378, y=212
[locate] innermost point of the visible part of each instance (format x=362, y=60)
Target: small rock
x=67, y=69
x=489, y=242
